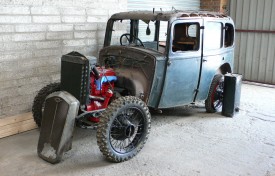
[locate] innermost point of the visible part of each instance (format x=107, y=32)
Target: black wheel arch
x=224, y=68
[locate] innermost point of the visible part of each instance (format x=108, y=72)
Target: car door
x=214, y=55
x=183, y=64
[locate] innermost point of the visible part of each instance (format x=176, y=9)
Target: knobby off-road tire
x=39, y=101
x=213, y=103
x=123, y=128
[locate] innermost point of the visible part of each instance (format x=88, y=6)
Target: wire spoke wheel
x=217, y=95
x=123, y=128
x=126, y=130
x=213, y=103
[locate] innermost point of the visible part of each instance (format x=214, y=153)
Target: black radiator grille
x=75, y=76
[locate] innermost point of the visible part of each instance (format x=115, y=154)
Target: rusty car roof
x=166, y=15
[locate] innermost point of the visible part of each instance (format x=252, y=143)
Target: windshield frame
x=134, y=30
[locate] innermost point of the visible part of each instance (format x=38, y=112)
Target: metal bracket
x=169, y=63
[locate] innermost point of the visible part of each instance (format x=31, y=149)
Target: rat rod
x=149, y=59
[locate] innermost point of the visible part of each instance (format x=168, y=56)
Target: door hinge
x=202, y=27
x=169, y=62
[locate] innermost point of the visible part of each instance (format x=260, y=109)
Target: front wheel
x=123, y=128
x=213, y=103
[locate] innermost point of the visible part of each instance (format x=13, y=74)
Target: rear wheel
x=213, y=103
x=123, y=128
x=39, y=101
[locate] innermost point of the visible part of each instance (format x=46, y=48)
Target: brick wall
x=33, y=36
x=214, y=5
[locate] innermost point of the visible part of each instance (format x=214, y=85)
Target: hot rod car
x=150, y=59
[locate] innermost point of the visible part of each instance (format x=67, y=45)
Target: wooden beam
x=16, y=124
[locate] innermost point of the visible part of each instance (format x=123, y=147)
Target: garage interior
x=184, y=140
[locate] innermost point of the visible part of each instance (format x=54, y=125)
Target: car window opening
x=186, y=37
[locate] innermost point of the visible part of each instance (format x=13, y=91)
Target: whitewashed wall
x=33, y=36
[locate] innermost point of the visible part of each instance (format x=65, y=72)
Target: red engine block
x=101, y=90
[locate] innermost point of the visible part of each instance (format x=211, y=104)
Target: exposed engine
x=101, y=89
x=92, y=86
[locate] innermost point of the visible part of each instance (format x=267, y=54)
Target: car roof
x=167, y=15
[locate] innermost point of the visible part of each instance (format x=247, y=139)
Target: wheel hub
x=217, y=96
x=126, y=130
x=129, y=131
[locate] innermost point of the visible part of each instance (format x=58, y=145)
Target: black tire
x=213, y=103
x=123, y=128
x=39, y=100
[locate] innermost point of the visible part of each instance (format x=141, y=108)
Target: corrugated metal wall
x=164, y=4
x=255, y=39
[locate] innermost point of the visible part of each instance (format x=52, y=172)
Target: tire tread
x=40, y=99
x=105, y=123
x=208, y=102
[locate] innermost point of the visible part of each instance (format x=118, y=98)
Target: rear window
x=229, y=35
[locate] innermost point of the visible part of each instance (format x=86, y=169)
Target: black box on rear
x=232, y=94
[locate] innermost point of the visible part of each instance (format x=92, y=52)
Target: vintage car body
x=169, y=79
x=183, y=59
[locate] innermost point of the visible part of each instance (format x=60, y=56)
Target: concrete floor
x=183, y=141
